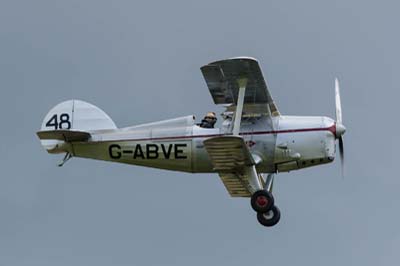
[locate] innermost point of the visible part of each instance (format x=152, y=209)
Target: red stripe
x=330, y=129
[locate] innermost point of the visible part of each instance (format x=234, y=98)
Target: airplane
x=254, y=143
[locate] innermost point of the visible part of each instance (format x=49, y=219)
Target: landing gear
x=66, y=158
x=269, y=218
x=262, y=202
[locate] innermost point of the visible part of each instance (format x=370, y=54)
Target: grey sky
x=139, y=62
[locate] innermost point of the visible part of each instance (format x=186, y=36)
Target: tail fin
x=71, y=119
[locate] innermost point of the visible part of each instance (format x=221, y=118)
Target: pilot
x=209, y=120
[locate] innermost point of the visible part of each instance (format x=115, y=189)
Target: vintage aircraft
x=254, y=139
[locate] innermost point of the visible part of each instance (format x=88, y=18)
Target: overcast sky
x=139, y=62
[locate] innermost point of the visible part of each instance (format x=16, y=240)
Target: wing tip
x=249, y=58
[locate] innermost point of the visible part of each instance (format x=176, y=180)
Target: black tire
x=262, y=201
x=270, y=218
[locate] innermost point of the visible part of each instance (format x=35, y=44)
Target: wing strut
x=239, y=106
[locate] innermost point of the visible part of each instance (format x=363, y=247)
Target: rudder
x=73, y=115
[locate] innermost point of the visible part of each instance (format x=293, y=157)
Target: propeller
x=340, y=128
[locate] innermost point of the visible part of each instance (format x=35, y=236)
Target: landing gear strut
x=262, y=202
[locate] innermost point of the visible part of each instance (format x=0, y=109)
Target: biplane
x=253, y=144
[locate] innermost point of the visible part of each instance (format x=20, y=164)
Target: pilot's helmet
x=211, y=116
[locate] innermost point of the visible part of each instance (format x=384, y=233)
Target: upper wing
x=222, y=76
x=235, y=165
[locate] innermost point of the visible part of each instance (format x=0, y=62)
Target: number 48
x=63, y=124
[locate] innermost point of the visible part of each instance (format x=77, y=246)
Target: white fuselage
x=283, y=143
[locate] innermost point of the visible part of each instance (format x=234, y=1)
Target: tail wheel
x=262, y=201
x=269, y=218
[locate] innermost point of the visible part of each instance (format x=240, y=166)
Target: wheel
x=269, y=218
x=262, y=201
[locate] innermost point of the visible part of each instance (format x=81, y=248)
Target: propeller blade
x=341, y=152
x=338, y=103
x=340, y=128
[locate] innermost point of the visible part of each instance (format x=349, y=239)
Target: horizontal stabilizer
x=65, y=135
